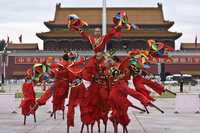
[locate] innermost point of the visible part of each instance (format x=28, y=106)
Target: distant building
x=11, y=66
x=190, y=46
x=152, y=24
x=22, y=46
x=184, y=61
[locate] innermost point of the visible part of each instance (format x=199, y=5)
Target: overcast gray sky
x=26, y=17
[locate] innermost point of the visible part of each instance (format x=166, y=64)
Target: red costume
x=95, y=106
x=119, y=91
x=28, y=100
x=59, y=95
x=43, y=99
x=140, y=82
x=99, y=44
x=76, y=94
x=59, y=89
x=119, y=102
x=71, y=73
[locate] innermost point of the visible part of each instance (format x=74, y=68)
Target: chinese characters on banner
x=34, y=59
x=40, y=59
x=184, y=60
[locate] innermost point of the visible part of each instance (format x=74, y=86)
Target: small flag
x=196, y=41
x=20, y=38
x=8, y=39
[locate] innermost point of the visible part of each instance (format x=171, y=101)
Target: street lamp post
x=159, y=71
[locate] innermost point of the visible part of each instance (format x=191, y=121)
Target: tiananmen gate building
x=150, y=21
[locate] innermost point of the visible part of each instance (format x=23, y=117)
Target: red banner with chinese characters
x=185, y=60
x=40, y=59
x=34, y=59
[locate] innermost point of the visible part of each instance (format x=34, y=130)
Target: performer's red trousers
x=140, y=82
x=75, y=98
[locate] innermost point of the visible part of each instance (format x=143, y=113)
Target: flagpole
x=196, y=41
x=104, y=19
x=4, y=61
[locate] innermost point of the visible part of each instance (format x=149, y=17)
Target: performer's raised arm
x=110, y=35
x=85, y=35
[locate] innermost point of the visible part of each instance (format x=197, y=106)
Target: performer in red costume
x=118, y=98
x=120, y=104
x=97, y=41
x=58, y=89
x=138, y=60
x=95, y=107
x=133, y=65
x=98, y=89
x=76, y=95
x=59, y=75
x=139, y=82
x=59, y=92
x=28, y=100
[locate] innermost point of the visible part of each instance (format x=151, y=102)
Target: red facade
x=17, y=64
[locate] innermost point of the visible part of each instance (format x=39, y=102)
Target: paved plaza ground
x=155, y=122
